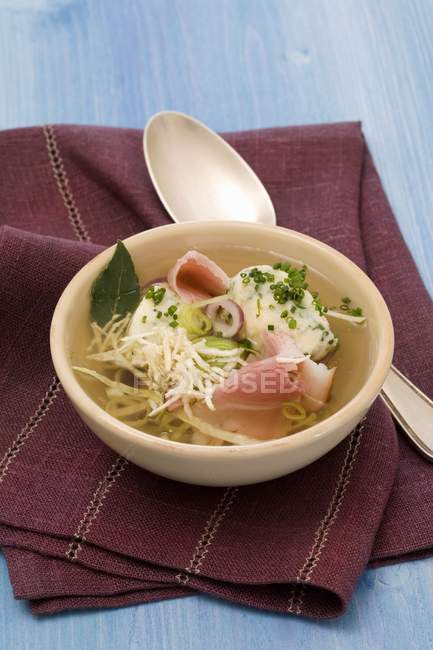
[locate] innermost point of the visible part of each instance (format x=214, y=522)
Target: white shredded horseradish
x=164, y=359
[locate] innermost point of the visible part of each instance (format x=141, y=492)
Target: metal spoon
x=198, y=176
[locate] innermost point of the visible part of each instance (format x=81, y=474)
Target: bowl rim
x=349, y=411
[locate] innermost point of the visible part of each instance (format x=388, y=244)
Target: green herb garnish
x=156, y=294
x=292, y=323
x=283, y=292
x=116, y=291
x=260, y=277
x=317, y=304
x=271, y=327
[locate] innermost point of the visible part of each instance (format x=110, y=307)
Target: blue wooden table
x=237, y=64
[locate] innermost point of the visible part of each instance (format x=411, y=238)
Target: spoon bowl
x=198, y=176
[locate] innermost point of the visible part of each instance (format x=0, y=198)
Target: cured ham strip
x=281, y=345
x=196, y=277
x=260, y=425
x=317, y=380
x=259, y=385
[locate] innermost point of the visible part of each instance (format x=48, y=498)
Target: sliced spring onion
x=358, y=320
x=227, y=317
x=220, y=343
x=193, y=320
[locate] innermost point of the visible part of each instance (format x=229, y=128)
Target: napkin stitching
x=208, y=536
x=80, y=230
x=31, y=424
x=297, y=594
x=62, y=180
x=94, y=507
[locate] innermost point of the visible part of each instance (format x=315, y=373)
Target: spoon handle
x=412, y=409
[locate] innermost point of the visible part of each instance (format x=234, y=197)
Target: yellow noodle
x=132, y=405
x=294, y=411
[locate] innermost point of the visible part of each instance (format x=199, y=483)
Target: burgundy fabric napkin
x=81, y=527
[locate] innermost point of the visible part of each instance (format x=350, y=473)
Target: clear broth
x=351, y=358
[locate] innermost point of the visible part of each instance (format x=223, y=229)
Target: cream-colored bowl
x=238, y=465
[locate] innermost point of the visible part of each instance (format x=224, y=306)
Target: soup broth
x=351, y=358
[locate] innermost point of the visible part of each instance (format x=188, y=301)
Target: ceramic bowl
x=157, y=249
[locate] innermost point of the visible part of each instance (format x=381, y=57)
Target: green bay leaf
x=116, y=291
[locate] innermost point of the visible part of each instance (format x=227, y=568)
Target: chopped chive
x=245, y=280
x=260, y=277
x=293, y=309
x=259, y=307
x=346, y=300
x=144, y=318
x=292, y=323
x=271, y=327
x=245, y=343
x=156, y=294
x=317, y=304
x=173, y=323
x=159, y=314
x=284, y=314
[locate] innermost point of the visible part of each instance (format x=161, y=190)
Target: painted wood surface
x=237, y=64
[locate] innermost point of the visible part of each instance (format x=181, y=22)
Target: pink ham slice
x=317, y=379
x=281, y=344
x=262, y=384
x=249, y=402
x=260, y=425
x=196, y=277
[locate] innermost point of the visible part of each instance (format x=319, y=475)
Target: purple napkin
x=81, y=527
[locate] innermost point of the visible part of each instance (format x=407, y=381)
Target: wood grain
x=237, y=64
